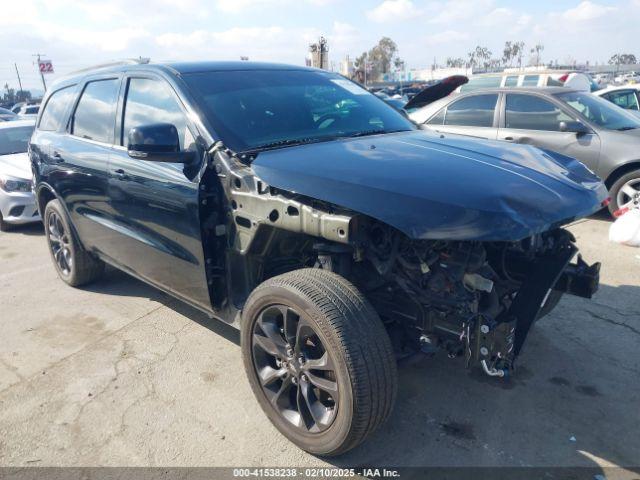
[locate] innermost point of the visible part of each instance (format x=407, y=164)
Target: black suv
x=300, y=208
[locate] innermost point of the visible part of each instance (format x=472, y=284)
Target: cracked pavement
x=120, y=374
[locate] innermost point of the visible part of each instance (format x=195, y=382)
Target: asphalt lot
x=120, y=374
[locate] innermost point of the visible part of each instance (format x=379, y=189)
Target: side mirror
x=576, y=127
x=157, y=142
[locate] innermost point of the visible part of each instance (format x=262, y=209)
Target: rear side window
x=527, y=112
x=95, y=114
x=626, y=99
x=53, y=115
x=530, y=80
x=152, y=101
x=481, y=82
x=511, y=81
x=475, y=111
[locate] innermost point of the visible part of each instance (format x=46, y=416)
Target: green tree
x=623, y=59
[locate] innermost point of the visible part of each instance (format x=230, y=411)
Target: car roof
x=613, y=88
x=180, y=68
x=18, y=123
x=548, y=90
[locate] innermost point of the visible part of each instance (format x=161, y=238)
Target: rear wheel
x=74, y=265
x=625, y=192
x=318, y=360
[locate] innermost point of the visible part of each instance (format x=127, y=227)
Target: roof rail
x=126, y=61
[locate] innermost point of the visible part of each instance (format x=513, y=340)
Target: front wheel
x=318, y=359
x=625, y=192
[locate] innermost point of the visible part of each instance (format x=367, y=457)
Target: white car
x=26, y=110
x=17, y=201
x=625, y=96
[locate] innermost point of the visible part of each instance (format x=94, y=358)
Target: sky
x=75, y=34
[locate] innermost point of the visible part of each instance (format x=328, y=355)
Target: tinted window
x=264, y=108
x=481, y=82
x=511, y=81
x=530, y=80
x=95, y=114
x=53, y=114
x=14, y=140
x=528, y=112
x=152, y=101
x=626, y=99
x=476, y=111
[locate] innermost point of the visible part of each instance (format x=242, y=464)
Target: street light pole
x=18, y=73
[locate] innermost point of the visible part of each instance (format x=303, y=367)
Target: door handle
x=57, y=157
x=509, y=139
x=120, y=173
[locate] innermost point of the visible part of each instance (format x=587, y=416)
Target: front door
x=534, y=120
x=155, y=204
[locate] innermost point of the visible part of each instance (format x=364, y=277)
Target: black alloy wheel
x=296, y=372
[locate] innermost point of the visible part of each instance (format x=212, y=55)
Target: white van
x=545, y=78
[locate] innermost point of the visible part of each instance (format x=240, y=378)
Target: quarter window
x=528, y=112
x=53, y=114
x=152, y=101
x=475, y=111
x=437, y=119
x=95, y=114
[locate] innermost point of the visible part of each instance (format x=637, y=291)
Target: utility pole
x=41, y=74
x=18, y=73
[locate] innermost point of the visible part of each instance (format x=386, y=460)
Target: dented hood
x=432, y=187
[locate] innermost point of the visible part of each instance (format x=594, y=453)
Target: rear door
x=535, y=120
x=472, y=115
x=82, y=156
x=155, y=205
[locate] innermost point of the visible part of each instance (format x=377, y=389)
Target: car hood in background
x=16, y=165
x=431, y=187
x=436, y=91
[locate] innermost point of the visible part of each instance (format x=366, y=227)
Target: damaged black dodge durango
x=294, y=205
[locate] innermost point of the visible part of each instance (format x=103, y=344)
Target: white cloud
x=393, y=10
x=587, y=11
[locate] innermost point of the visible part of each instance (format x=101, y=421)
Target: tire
x=628, y=180
x=4, y=226
x=74, y=265
x=335, y=327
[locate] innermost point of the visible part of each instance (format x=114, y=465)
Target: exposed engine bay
x=475, y=299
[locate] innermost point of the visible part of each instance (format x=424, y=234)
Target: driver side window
x=152, y=101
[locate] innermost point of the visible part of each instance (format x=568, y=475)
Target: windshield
x=600, y=111
x=15, y=139
x=259, y=109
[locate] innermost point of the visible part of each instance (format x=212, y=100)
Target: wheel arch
x=620, y=171
x=45, y=193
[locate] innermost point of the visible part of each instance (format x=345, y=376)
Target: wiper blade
x=624, y=129
x=377, y=131
x=288, y=142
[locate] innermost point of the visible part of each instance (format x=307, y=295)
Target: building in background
x=346, y=67
x=319, y=54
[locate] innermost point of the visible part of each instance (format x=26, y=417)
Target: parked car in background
x=17, y=201
x=625, y=96
x=629, y=77
x=6, y=115
x=573, y=123
x=27, y=110
x=295, y=205
x=546, y=78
